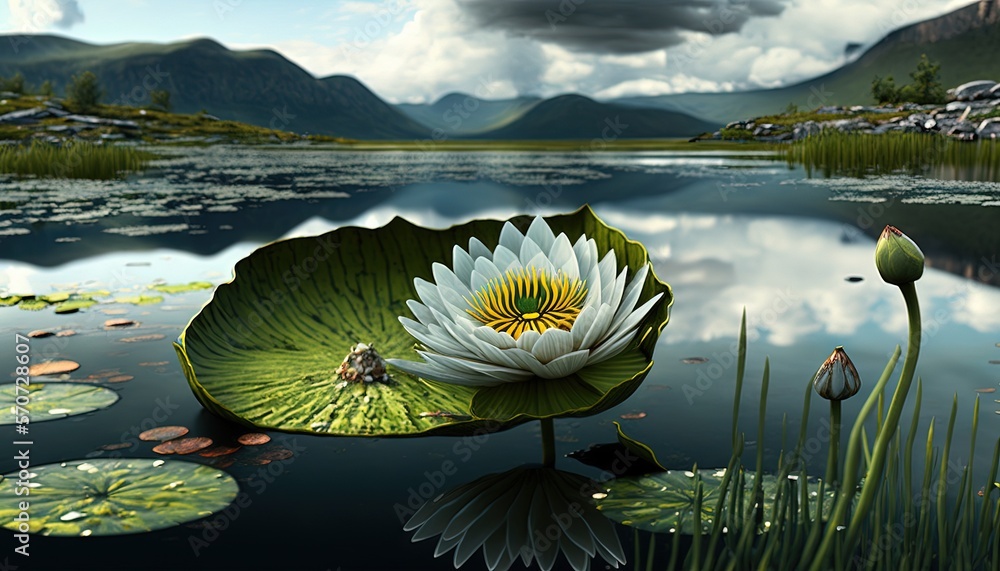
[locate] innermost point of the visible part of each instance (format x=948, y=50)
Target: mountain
x=965, y=42
x=459, y=114
x=260, y=87
x=578, y=117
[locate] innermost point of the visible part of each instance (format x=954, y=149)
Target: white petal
x=479, y=250
x=428, y=293
x=626, y=329
x=565, y=365
x=582, y=325
x=612, y=281
x=631, y=297
x=437, y=373
x=463, y=264
x=611, y=347
x=527, y=339
x=586, y=254
x=529, y=250
x=510, y=237
x=441, y=343
x=476, y=369
x=563, y=258
x=421, y=312
x=484, y=273
x=445, y=278
x=540, y=233
x=494, y=337
x=552, y=344
x=506, y=260
x=600, y=327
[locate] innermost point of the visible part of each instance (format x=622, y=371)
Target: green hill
x=459, y=114
x=578, y=117
x=965, y=42
x=259, y=87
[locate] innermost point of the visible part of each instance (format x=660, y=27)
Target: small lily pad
x=10, y=300
x=142, y=338
x=33, y=305
x=52, y=401
x=118, y=323
x=253, y=439
x=183, y=445
x=664, y=502
x=694, y=360
x=117, y=496
x=65, y=333
x=987, y=390
x=181, y=288
x=53, y=368
x=140, y=299
x=74, y=305
x=163, y=433
x=219, y=450
x=40, y=334
x=854, y=279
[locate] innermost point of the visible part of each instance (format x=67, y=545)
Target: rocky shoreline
x=972, y=114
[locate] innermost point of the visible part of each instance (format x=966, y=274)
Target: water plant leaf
x=140, y=299
x=33, y=304
x=117, y=496
x=119, y=322
x=253, y=439
x=181, y=288
x=264, y=351
x=52, y=401
x=664, y=502
x=10, y=300
x=74, y=305
x=183, y=445
x=639, y=449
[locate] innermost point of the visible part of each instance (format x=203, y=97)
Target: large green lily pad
x=265, y=349
x=52, y=401
x=664, y=502
x=116, y=496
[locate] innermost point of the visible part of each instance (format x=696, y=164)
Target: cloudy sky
x=418, y=50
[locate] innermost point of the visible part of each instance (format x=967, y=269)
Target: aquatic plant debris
x=119, y=322
x=253, y=439
x=103, y=497
x=53, y=401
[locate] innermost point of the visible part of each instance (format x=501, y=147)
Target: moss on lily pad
x=52, y=401
x=265, y=349
x=117, y=496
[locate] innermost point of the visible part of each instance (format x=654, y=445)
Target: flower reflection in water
x=528, y=513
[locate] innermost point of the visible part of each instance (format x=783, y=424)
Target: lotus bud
x=898, y=258
x=837, y=379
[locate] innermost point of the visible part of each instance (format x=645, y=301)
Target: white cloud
x=35, y=16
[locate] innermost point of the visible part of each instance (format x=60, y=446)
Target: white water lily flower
x=536, y=306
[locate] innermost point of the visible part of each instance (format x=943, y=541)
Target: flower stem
x=873, y=479
x=833, y=462
x=548, y=443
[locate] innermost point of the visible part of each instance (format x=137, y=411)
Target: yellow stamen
x=528, y=300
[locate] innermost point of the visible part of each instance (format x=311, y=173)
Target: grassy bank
x=860, y=154
x=72, y=160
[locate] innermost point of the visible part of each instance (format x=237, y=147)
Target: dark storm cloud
x=616, y=26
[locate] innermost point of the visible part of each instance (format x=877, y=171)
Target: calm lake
x=726, y=231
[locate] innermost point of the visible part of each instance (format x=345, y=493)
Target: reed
x=860, y=154
x=76, y=160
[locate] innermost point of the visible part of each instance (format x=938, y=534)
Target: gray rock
x=989, y=128
x=807, y=129
x=963, y=131
x=995, y=91
x=830, y=110
x=24, y=116
x=91, y=120
x=974, y=90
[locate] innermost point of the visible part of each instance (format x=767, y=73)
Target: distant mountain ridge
x=966, y=42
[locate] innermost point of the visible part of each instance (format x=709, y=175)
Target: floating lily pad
x=74, y=305
x=52, y=401
x=181, y=288
x=142, y=338
x=40, y=334
x=694, y=360
x=163, y=433
x=117, y=497
x=52, y=368
x=118, y=323
x=140, y=299
x=33, y=305
x=65, y=333
x=10, y=300
x=219, y=450
x=664, y=502
x=183, y=445
x=265, y=350
x=253, y=439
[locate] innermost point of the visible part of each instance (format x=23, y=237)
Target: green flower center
x=529, y=300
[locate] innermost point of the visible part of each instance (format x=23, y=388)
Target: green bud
x=898, y=259
x=837, y=379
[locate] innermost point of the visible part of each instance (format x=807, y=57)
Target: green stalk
x=849, y=479
x=874, y=477
x=834, y=459
x=548, y=443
